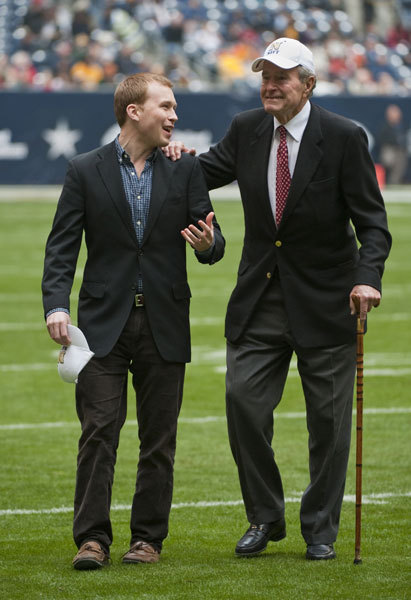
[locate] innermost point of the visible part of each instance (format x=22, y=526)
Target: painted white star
x=62, y=140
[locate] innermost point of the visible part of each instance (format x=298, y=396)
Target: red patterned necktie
x=282, y=179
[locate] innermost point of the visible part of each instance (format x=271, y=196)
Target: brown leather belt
x=139, y=300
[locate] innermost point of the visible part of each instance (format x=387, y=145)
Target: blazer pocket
x=321, y=185
x=181, y=290
x=92, y=289
x=337, y=270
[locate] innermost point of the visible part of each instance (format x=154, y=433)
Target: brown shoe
x=90, y=556
x=141, y=552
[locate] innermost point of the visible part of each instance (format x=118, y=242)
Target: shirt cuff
x=53, y=310
x=207, y=253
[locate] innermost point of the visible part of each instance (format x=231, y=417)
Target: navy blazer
x=93, y=201
x=314, y=248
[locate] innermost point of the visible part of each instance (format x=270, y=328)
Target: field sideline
x=39, y=432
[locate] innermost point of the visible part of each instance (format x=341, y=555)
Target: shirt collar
x=122, y=154
x=119, y=151
x=295, y=127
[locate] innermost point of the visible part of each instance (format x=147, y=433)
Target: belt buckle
x=139, y=300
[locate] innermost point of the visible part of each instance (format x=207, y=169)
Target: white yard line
x=399, y=196
x=194, y=321
x=29, y=192
x=390, y=318
x=386, y=365
x=14, y=368
x=53, y=425
x=198, y=420
x=23, y=326
x=295, y=497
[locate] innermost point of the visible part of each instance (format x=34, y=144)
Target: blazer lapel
x=162, y=171
x=109, y=171
x=260, y=147
x=309, y=156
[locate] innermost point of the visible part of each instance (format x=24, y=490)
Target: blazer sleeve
x=219, y=163
x=63, y=244
x=366, y=209
x=199, y=207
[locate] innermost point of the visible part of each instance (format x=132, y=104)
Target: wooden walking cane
x=358, y=462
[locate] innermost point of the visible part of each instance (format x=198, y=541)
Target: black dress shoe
x=320, y=552
x=256, y=537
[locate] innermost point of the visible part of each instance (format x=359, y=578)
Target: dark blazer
x=93, y=201
x=314, y=248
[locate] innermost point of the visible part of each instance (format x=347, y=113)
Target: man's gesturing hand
x=200, y=239
x=362, y=299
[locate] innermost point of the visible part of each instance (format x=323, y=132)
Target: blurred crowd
x=53, y=45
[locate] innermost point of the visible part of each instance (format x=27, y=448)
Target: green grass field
x=39, y=432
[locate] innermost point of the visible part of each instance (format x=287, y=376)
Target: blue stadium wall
x=39, y=132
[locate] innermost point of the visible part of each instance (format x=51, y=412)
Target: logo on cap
x=274, y=47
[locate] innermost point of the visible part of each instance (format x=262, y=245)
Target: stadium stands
x=200, y=45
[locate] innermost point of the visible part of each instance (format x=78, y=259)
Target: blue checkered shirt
x=137, y=189
x=138, y=192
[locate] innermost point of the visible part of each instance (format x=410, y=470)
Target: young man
x=305, y=175
x=136, y=209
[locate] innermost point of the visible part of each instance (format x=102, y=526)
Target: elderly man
x=305, y=175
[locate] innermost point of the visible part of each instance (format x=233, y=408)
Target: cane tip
x=357, y=561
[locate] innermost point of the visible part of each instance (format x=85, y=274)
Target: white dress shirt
x=295, y=129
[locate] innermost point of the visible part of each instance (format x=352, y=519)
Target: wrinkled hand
x=200, y=239
x=57, y=326
x=175, y=149
x=362, y=299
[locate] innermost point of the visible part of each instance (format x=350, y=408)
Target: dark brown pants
x=101, y=398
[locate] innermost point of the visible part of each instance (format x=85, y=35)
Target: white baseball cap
x=73, y=358
x=286, y=53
